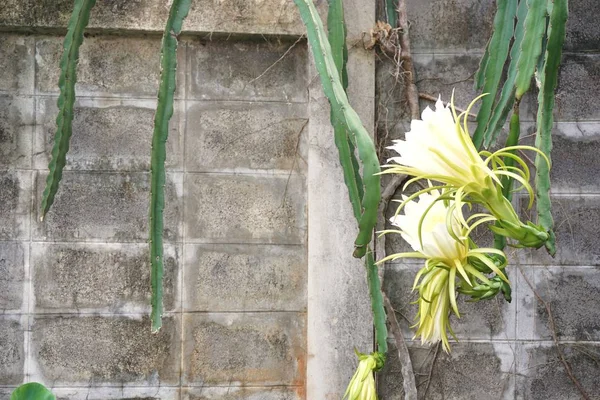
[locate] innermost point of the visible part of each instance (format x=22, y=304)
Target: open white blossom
x=423, y=225
x=438, y=148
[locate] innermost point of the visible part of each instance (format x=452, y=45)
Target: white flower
x=434, y=240
x=438, y=148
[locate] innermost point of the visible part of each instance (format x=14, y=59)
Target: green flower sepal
x=487, y=290
x=526, y=235
x=362, y=384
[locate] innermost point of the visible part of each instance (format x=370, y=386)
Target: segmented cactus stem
x=66, y=99
x=164, y=111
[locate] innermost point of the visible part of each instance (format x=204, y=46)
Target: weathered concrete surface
x=94, y=350
x=14, y=257
x=244, y=349
x=12, y=351
x=255, y=70
x=120, y=393
x=572, y=294
x=16, y=63
x=110, y=278
x=579, y=83
x=16, y=126
x=575, y=147
x=242, y=394
x=77, y=284
x=472, y=371
x=108, y=135
x=268, y=17
x=583, y=33
x=110, y=207
x=15, y=198
x=339, y=315
x=237, y=136
x=458, y=25
x=108, y=66
x=576, y=219
x=250, y=209
x=541, y=375
x=244, y=278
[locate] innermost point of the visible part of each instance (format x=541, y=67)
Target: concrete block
x=270, y=17
x=15, y=203
x=231, y=393
x=105, y=351
x=12, y=350
x=576, y=219
x=574, y=152
x=15, y=12
x=583, y=33
x=578, y=87
x=130, y=15
x=236, y=136
x=457, y=25
x=492, y=319
x=573, y=296
x=107, y=134
x=108, y=66
x=244, y=349
x=16, y=59
x=14, y=259
x=273, y=278
x=278, y=17
x=247, y=70
x=541, y=375
x=16, y=126
x=96, y=206
x=121, y=393
x=441, y=74
x=472, y=371
x=110, y=278
x=250, y=209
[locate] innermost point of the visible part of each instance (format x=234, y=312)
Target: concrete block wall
x=74, y=294
x=260, y=286
x=506, y=351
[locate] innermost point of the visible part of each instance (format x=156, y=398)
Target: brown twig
x=437, y=350
x=434, y=99
x=408, y=382
x=412, y=94
x=552, y=327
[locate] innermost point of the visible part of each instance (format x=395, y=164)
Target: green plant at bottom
x=32, y=391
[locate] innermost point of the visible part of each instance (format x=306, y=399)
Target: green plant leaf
x=545, y=121
x=531, y=46
x=164, y=112
x=343, y=112
x=497, y=55
x=391, y=11
x=66, y=99
x=337, y=38
x=32, y=391
x=507, y=96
